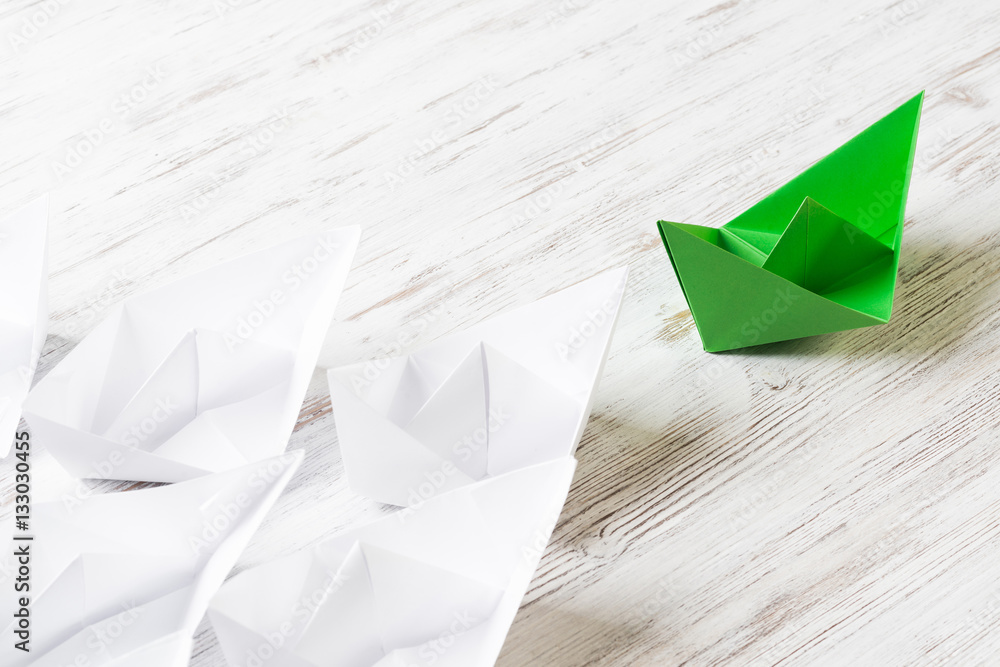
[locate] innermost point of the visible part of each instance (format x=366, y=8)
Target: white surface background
x=827, y=501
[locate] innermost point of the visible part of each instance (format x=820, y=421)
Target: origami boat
x=125, y=578
x=818, y=255
x=202, y=375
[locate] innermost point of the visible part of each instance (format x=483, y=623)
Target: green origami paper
x=818, y=255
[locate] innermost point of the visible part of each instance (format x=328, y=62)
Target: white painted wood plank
x=826, y=501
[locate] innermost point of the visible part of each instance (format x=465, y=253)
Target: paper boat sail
x=201, y=375
x=397, y=591
x=818, y=255
x=124, y=579
x=509, y=392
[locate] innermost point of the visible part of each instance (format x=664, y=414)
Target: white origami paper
x=476, y=434
x=439, y=584
x=202, y=375
x=23, y=309
x=510, y=392
x=124, y=579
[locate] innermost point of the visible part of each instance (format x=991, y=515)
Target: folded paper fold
x=23, y=309
x=125, y=578
x=438, y=584
x=510, y=392
x=475, y=434
x=201, y=375
x=818, y=255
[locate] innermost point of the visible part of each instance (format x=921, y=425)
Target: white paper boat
x=511, y=392
x=439, y=582
x=202, y=375
x=124, y=579
x=437, y=585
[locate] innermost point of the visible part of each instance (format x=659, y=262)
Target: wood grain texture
x=829, y=501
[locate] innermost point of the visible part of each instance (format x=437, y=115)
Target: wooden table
x=831, y=501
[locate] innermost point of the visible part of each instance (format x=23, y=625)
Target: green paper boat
x=818, y=255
